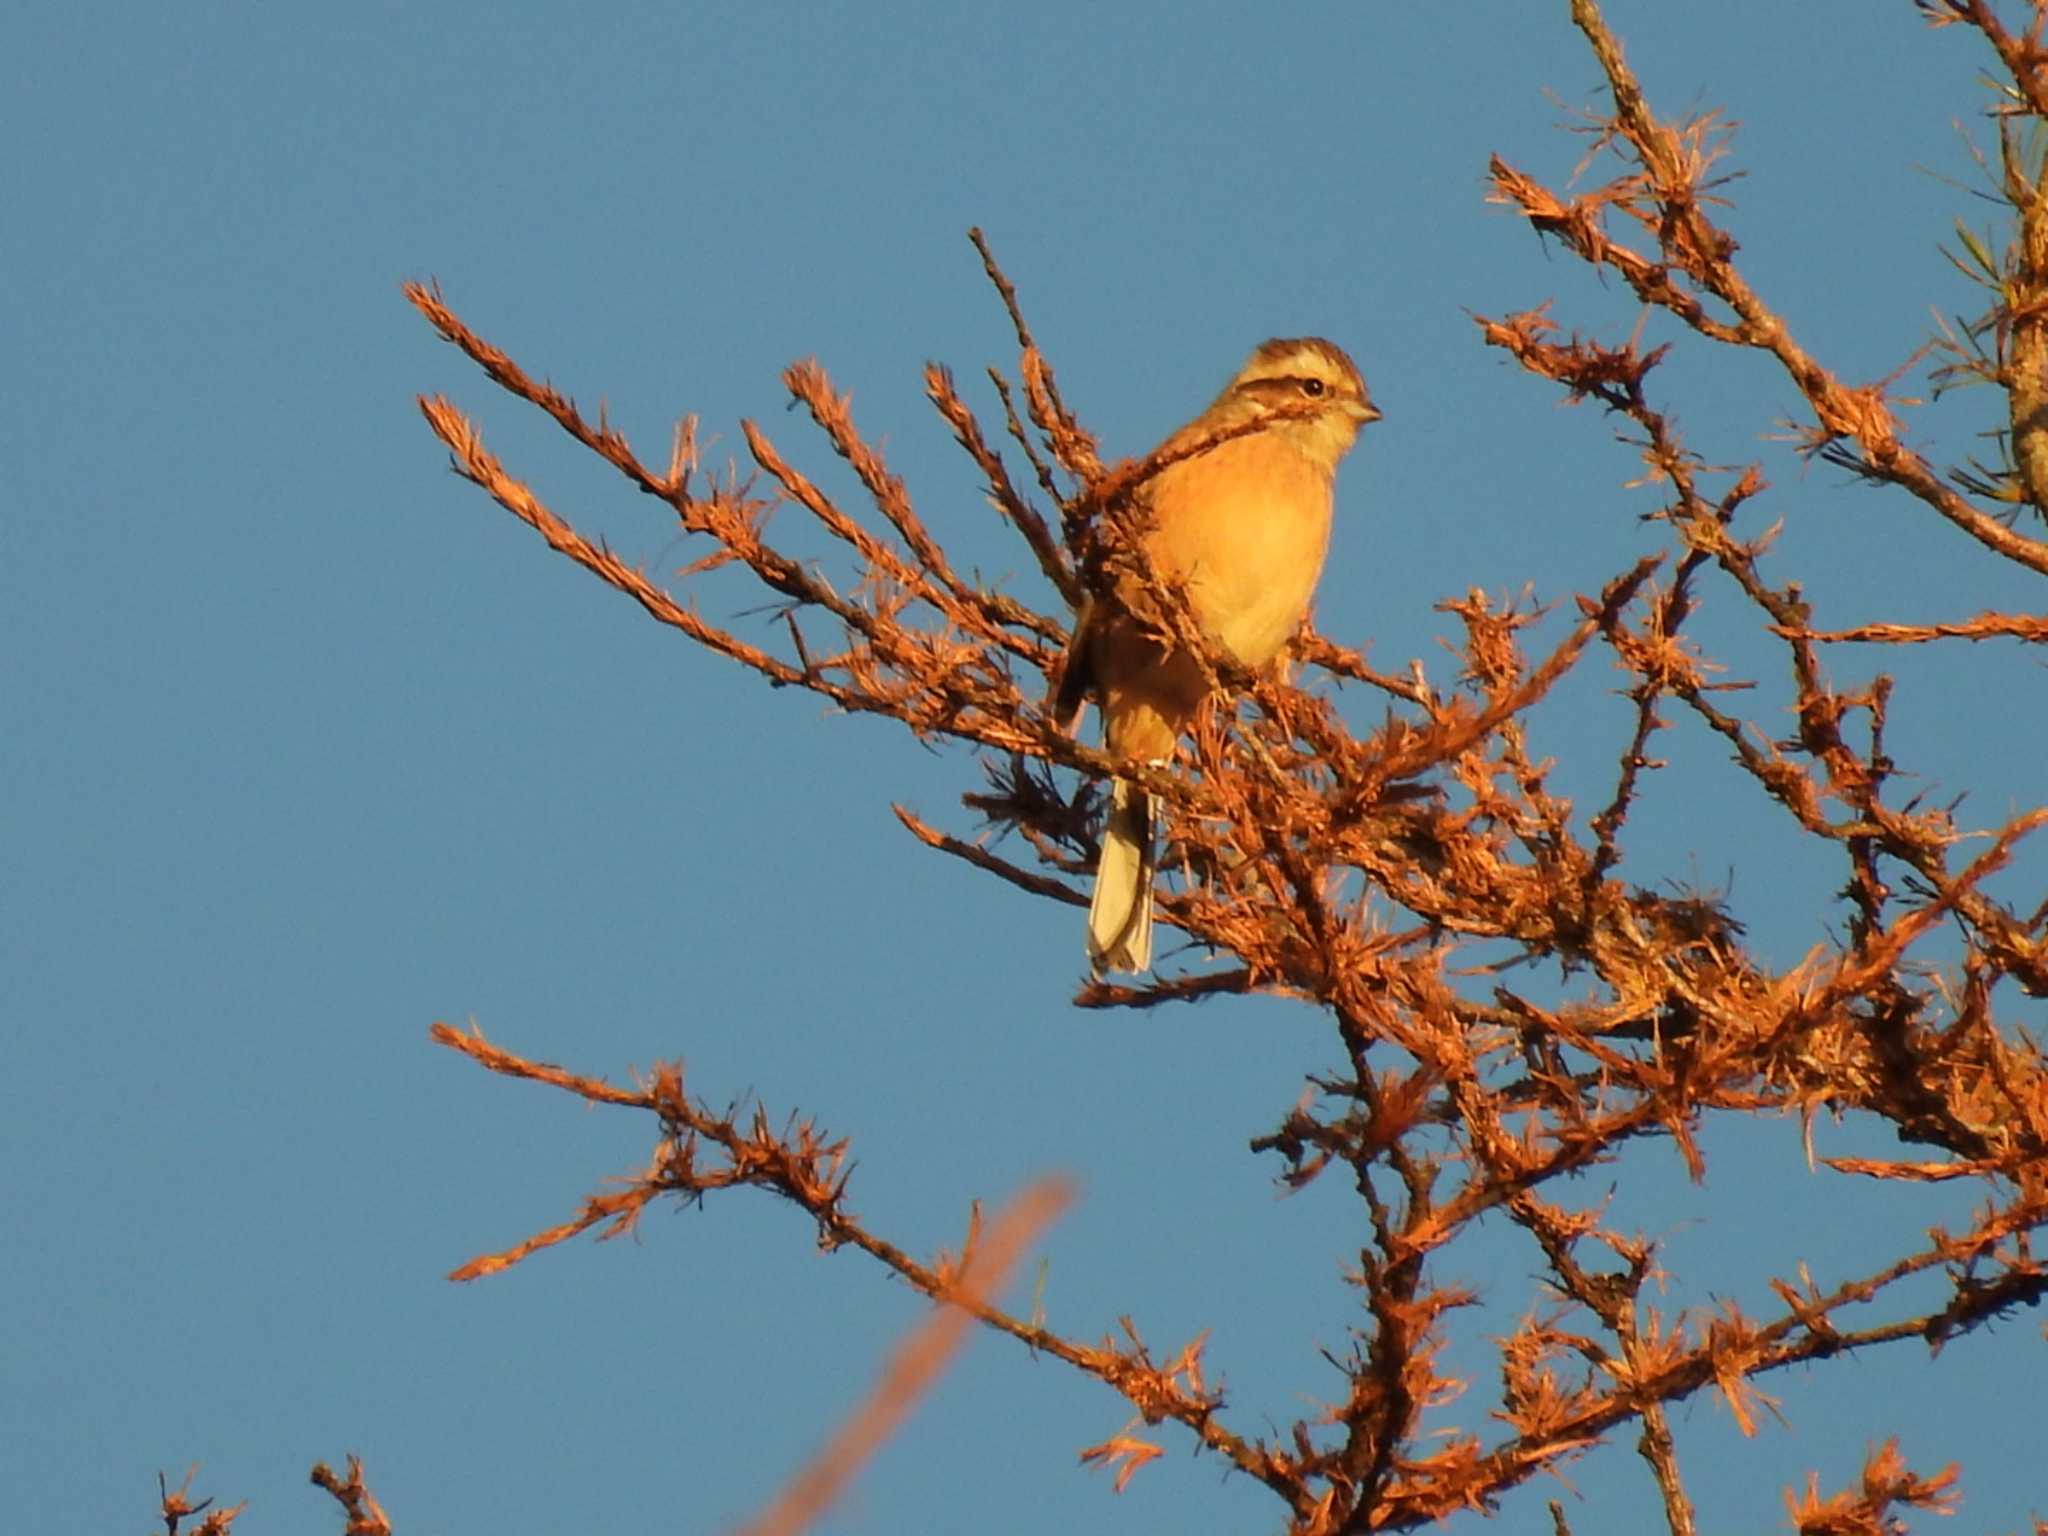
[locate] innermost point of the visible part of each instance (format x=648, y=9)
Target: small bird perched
x=1242, y=525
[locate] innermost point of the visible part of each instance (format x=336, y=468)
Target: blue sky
x=308, y=745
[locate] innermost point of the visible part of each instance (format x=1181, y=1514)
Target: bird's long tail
x=1120, y=916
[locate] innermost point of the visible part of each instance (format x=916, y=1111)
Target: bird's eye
x=1313, y=388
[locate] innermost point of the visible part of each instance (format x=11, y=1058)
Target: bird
x=1239, y=518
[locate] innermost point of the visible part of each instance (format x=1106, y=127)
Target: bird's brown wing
x=1077, y=675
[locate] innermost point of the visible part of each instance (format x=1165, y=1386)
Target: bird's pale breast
x=1246, y=525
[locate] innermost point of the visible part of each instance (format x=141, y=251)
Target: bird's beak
x=1363, y=411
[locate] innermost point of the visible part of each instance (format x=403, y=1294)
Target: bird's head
x=1319, y=389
